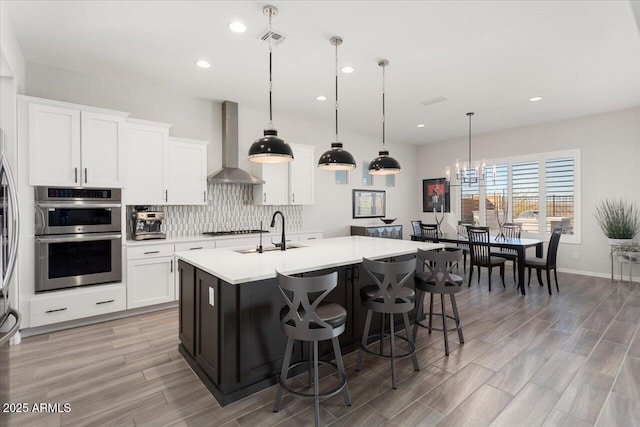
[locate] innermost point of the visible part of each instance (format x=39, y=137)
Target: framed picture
x=435, y=193
x=369, y=204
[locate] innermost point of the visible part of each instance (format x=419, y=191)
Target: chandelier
x=470, y=173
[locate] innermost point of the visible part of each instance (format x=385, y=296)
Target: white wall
x=610, y=164
x=201, y=119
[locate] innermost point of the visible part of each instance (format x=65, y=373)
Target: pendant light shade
x=337, y=158
x=384, y=164
x=270, y=148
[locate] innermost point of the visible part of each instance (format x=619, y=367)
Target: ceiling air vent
x=432, y=101
x=275, y=37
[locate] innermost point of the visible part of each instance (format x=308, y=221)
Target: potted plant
x=619, y=220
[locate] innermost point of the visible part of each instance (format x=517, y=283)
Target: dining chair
x=510, y=230
x=429, y=232
x=481, y=255
x=416, y=228
x=547, y=264
x=462, y=231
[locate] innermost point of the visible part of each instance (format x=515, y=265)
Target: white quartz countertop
x=171, y=239
x=236, y=268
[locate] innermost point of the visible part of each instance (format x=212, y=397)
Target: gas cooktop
x=229, y=233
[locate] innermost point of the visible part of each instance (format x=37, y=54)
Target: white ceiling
x=490, y=57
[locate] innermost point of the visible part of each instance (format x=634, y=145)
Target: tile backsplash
x=229, y=207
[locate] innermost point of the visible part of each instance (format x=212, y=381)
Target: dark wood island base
x=230, y=334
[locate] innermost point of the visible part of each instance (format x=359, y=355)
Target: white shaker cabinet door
x=187, y=178
x=150, y=281
x=54, y=145
x=302, y=175
x=275, y=189
x=146, y=163
x=102, y=145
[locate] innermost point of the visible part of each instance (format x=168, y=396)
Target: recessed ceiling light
x=321, y=98
x=535, y=99
x=237, y=27
x=203, y=64
x=347, y=69
x=421, y=125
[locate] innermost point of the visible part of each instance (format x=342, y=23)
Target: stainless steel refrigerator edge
x=9, y=228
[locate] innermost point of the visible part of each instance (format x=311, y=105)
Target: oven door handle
x=83, y=205
x=78, y=238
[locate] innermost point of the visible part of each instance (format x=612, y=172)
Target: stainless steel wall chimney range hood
x=230, y=173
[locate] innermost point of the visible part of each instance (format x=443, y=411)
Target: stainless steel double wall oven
x=78, y=237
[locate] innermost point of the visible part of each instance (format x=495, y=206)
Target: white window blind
x=525, y=195
x=496, y=195
x=560, y=186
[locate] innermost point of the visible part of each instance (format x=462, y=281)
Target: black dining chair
x=429, y=232
x=462, y=231
x=415, y=225
x=481, y=255
x=510, y=230
x=547, y=264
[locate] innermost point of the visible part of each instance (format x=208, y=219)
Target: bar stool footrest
x=411, y=352
x=329, y=393
x=439, y=315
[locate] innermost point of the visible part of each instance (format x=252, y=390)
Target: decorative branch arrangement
x=504, y=208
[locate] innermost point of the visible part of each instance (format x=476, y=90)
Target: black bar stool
x=433, y=276
x=388, y=296
x=311, y=320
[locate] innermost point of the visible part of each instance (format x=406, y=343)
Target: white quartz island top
x=236, y=268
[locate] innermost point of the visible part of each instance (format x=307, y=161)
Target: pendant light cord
x=383, y=111
x=469, y=114
x=270, y=72
x=337, y=42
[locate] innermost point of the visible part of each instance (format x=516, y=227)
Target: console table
x=384, y=231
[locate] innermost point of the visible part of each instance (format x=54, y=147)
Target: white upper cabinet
x=187, y=171
x=72, y=145
x=102, y=150
x=163, y=170
x=287, y=183
x=147, y=162
x=302, y=175
x=274, y=191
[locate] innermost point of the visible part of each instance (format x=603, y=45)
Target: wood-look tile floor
x=571, y=359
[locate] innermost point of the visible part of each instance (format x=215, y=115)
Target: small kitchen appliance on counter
x=147, y=225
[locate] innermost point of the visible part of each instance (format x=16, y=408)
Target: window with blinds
x=470, y=203
x=559, y=181
x=525, y=189
x=496, y=196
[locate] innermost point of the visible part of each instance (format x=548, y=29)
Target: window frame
x=541, y=158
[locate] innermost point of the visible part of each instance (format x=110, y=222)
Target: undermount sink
x=269, y=249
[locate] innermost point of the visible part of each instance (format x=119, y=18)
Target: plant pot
x=618, y=242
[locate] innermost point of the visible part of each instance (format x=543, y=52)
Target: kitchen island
x=230, y=303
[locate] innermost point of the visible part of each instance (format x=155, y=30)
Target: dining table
x=520, y=245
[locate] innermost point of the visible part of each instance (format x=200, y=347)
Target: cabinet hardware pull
x=204, y=193
x=166, y=195
x=105, y=302
x=199, y=247
x=171, y=266
x=293, y=197
x=58, y=309
x=264, y=197
x=75, y=171
x=85, y=175
x=152, y=252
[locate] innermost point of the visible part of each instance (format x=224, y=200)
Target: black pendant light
x=384, y=164
x=337, y=158
x=270, y=148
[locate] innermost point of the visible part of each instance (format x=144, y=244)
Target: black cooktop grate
x=232, y=232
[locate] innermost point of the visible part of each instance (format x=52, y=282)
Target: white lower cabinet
x=150, y=281
x=77, y=304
